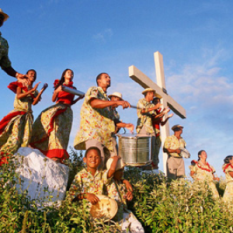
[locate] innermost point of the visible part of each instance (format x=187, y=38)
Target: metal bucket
x=135, y=150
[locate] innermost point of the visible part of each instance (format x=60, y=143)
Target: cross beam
x=160, y=89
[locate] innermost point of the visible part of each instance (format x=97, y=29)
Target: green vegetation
x=161, y=206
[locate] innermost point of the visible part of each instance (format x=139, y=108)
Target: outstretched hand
x=36, y=86
x=170, y=115
x=124, y=104
x=130, y=127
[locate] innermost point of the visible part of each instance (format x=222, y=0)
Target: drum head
x=105, y=208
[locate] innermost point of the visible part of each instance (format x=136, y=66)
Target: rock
x=44, y=179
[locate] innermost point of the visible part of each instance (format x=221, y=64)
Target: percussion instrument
x=135, y=150
x=184, y=153
x=45, y=86
x=105, y=208
x=73, y=91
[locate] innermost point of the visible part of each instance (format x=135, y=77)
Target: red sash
x=208, y=170
x=7, y=119
x=228, y=165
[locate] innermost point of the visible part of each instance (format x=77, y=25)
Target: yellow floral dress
x=16, y=127
x=85, y=182
x=51, y=130
x=95, y=124
x=204, y=173
x=228, y=194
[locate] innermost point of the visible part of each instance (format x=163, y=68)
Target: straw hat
x=175, y=127
x=120, y=164
x=150, y=89
x=105, y=208
x=117, y=94
x=6, y=16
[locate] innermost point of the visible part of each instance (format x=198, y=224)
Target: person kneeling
x=121, y=191
x=89, y=182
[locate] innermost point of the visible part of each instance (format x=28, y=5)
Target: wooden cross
x=160, y=89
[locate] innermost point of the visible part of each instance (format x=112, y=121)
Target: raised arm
x=38, y=97
x=21, y=95
x=113, y=166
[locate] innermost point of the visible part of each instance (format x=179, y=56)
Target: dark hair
x=199, y=153
x=99, y=77
x=62, y=79
x=35, y=74
x=93, y=148
x=228, y=158
x=156, y=99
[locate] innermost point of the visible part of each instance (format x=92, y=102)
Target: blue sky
x=195, y=38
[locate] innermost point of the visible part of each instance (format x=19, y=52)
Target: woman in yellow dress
x=51, y=130
x=202, y=171
x=228, y=170
x=16, y=127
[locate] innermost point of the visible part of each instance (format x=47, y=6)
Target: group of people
x=99, y=124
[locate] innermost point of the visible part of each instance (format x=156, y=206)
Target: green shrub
x=161, y=206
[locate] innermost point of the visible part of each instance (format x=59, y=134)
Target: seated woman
x=228, y=170
x=202, y=171
x=16, y=127
x=51, y=130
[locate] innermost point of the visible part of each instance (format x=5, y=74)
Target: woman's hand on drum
x=92, y=198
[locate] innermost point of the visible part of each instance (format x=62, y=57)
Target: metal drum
x=135, y=150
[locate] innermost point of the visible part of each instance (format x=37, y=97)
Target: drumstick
x=133, y=106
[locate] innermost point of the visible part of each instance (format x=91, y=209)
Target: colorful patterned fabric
x=156, y=123
x=205, y=173
x=16, y=127
x=117, y=191
x=145, y=119
x=172, y=142
x=228, y=194
x=4, y=47
x=95, y=124
x=51, y=130
x=85, y=182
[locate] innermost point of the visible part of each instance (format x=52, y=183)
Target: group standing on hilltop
x=99, y=124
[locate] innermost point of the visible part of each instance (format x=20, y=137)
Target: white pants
x=131, y=224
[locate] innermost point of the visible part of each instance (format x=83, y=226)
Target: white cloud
x=104, y=35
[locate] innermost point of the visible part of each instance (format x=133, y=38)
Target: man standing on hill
x=172, y=145
x=97, y=119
